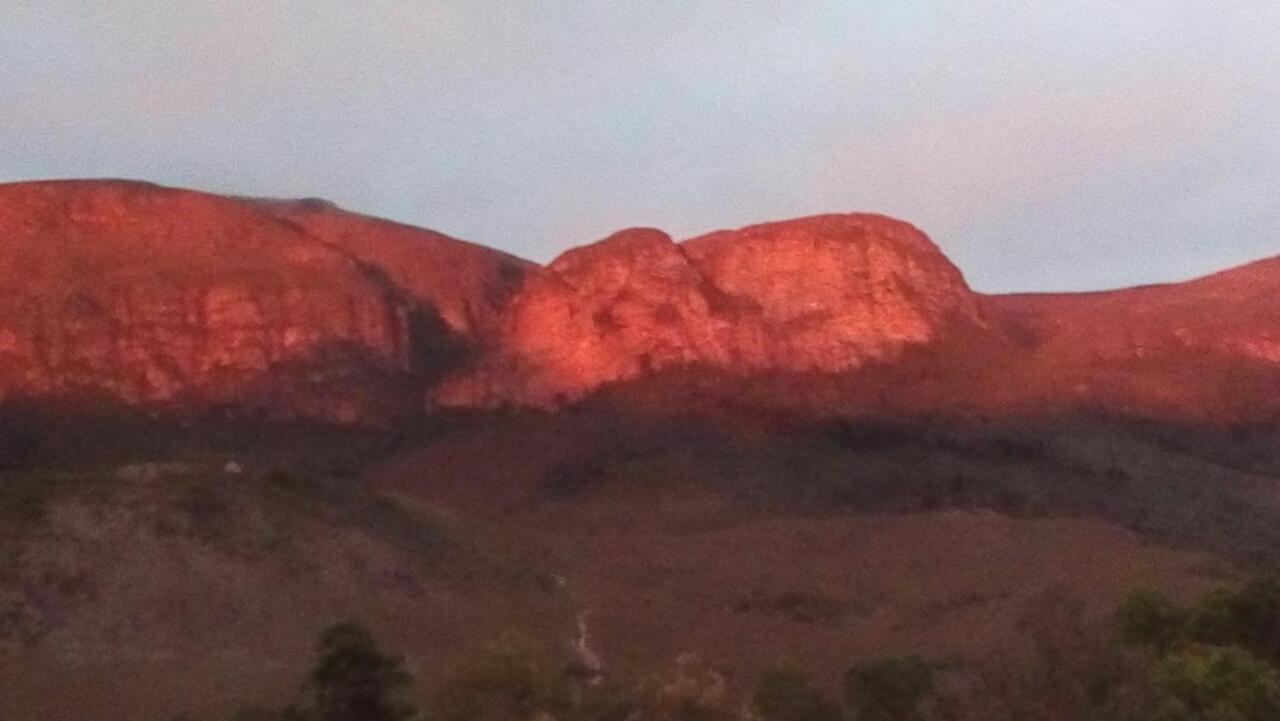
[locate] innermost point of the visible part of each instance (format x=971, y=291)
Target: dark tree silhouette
x=353, y=680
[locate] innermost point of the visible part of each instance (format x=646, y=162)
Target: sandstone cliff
x=467, y=286
x=823, y=294
x=181, y=300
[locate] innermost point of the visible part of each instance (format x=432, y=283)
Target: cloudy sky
x=1044, y=145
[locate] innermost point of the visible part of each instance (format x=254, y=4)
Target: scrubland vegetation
x=1215, y=660
x=779, y=569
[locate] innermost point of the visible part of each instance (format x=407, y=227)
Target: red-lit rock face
x=629, y=305
x=831, y=291
x=826, y=293
x=1207, y=348
x=184, y=300
x=1232, y=313
x=188, y=301
x=467, y=285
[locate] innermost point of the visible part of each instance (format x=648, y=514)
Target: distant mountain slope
x=1209, y=347
x=1234, y=312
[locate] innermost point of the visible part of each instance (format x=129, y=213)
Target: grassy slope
x=178, y=588
x=823, y=542
x=190, y=590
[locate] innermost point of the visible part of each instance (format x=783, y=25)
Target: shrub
x=510, y=685
x=796, y=605
x=287, y=481
x=888, y=689
x=1151, y=619
x=501, y=685
x=1249, y=617
x=1208, y=683
x=789, y=695
x=288, y=713
x=692, y=691
x=353, y=680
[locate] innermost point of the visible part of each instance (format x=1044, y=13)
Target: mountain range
x=189, y=303
x=227, y=422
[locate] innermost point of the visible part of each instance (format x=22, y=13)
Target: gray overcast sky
x=1044, y=145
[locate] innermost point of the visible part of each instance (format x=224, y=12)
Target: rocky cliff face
x=181, y=300
x=185, y=301
x=467, y=287
x=823, y=294
x=827, y=295
x=833, y=291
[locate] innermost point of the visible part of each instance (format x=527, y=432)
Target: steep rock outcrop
x=832, y=291
x=826, y=294
x=178, y=299
x=466, y=286
x=630, y=304
x=185, y=301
